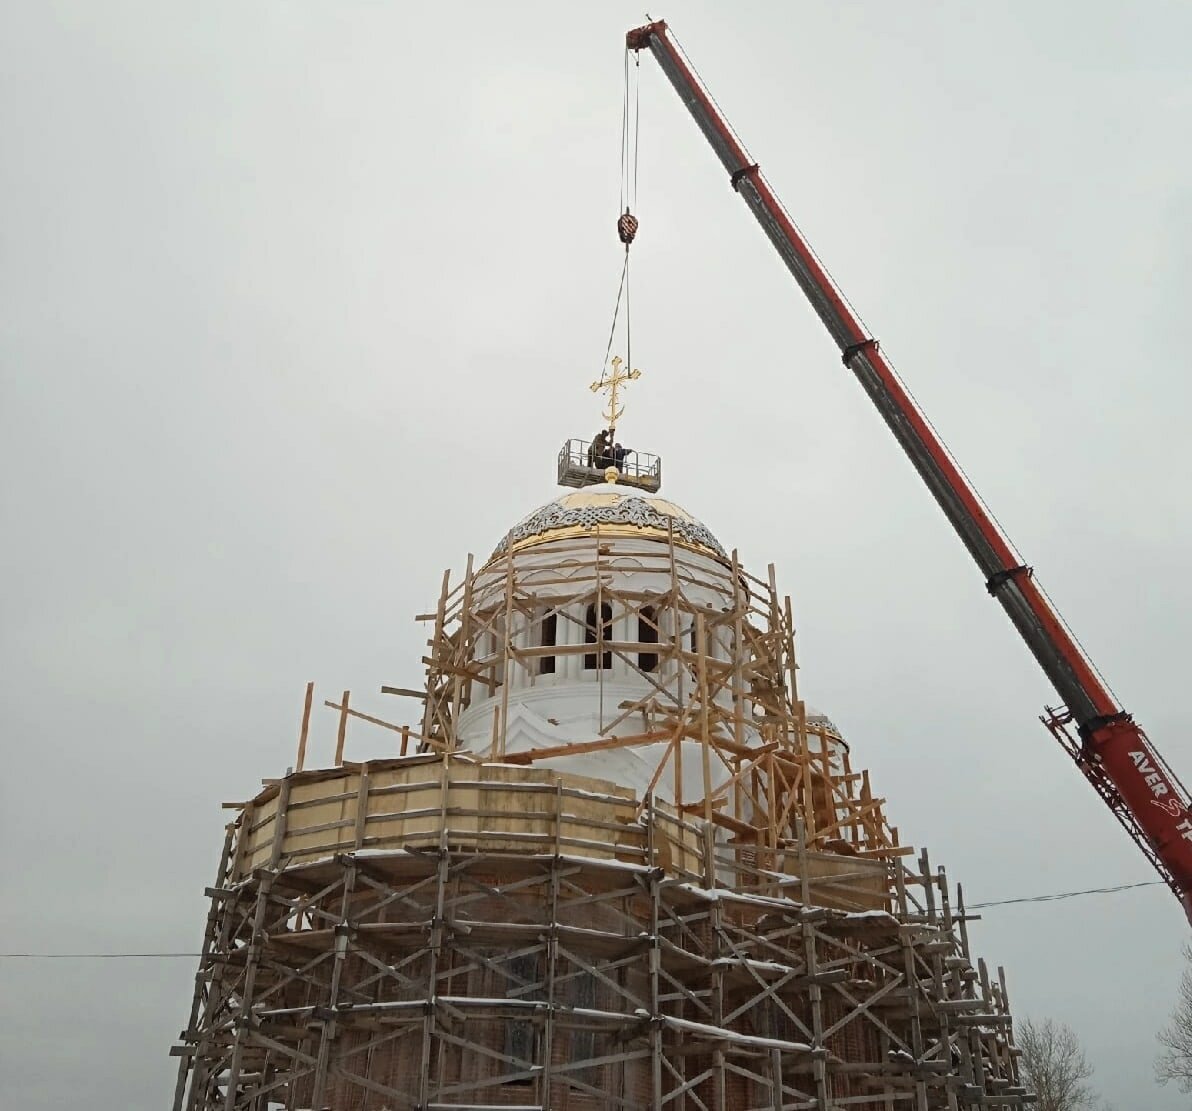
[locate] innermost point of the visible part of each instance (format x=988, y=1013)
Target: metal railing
x=579, y=467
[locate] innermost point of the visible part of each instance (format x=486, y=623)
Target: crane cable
x=627, y=223
x=629, y=133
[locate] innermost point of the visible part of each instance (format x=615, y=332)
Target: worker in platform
x=598, y=451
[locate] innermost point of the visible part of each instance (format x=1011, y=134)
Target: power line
x=1055, y=897
x=91, y=956
x=1052, y=898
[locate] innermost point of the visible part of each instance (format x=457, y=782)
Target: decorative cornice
x=637, y=513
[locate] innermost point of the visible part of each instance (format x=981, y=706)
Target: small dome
x=610, y=509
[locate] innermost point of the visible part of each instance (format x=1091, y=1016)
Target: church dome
x=610, y=509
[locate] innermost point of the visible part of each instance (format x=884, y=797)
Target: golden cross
x=613, y=384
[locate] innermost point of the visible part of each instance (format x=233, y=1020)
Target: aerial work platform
x=579, y=467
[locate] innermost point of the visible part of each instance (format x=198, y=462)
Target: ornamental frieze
x=635, y=512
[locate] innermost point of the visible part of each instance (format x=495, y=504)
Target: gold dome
x=610, y=510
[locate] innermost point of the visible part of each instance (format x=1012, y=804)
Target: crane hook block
x=627, y=227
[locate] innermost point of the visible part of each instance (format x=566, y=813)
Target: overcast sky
x=298, y=301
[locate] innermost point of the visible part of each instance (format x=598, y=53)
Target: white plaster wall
x=576, y=704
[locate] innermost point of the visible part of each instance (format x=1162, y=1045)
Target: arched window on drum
x=647, y=633
x=601, y=633
x=548, y=632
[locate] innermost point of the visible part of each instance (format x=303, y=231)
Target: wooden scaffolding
x=724, y=677
x=458, y=926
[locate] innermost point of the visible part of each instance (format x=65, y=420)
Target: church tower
x=612, y=862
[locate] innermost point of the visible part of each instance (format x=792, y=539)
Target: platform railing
x=579, y=467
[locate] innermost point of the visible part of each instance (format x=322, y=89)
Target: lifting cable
x=626, y=222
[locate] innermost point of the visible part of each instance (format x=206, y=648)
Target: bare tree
x=1175, y=1061
x=1055, y=1066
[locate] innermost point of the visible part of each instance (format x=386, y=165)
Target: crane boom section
x=1115, y=754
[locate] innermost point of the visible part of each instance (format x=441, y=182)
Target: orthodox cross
x=613, y=383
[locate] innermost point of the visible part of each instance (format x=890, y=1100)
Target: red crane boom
x=1108, y=745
